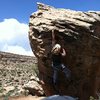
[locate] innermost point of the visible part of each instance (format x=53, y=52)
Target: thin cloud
x=16, y=50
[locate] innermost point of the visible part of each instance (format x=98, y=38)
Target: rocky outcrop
x=34, y=86
x=79, y=33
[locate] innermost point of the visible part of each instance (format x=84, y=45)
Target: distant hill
x=16, y=58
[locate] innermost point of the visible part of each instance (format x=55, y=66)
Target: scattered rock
x=15, y=74
x=9, y=88
x=32, y=78
x=34, y=88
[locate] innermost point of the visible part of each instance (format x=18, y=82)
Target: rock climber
x=57, y=53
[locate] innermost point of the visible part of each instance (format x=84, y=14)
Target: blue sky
x=14, y=18
x=21, y=9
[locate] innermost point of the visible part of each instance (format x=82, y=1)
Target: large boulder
x=79, y=33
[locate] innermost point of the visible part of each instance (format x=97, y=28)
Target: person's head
x=56, y=49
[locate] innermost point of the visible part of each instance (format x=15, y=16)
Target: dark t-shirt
x=56, y=59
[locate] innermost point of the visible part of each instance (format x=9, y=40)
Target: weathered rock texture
x=79, y=33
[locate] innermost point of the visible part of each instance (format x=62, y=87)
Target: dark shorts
x=58, y=66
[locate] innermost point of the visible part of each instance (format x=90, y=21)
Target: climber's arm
x=53, y=38
x=63, y=53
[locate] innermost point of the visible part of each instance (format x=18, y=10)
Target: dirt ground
x=24, y=98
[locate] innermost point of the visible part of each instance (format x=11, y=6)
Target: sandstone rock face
x=79, y=33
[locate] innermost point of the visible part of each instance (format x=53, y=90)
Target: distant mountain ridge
x=11, y=57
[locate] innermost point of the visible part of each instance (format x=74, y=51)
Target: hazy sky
x=14, y=18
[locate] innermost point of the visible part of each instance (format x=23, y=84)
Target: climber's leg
x=55, y=81
x=67, y=72
x=55, y=76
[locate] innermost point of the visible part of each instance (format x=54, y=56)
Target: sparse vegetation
x=16, y=72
